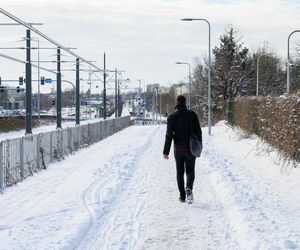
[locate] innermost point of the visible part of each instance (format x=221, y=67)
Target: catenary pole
x=77, y=98
x=58, y=91
x=28, y=118
x=116, y=93
x=104, y=88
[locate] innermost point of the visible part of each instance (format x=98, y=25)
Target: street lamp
x=257, y=71
x=156, y=91
x=288, y=83
x=140, y=80
x=189, y=87
x=209, y=69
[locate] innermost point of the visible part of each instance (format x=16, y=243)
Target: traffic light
x=18, y=89
x=2, y=89
x=53, y=101
x=21, y=80
x=42, y=80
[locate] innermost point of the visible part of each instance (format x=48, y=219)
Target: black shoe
x=189, y=196
x=181, y=200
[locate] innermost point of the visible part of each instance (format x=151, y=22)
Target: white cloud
x=146, y=37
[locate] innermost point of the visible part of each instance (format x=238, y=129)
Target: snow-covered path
x=121, y=194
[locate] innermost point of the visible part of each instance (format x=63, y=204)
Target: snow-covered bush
x=276, y=120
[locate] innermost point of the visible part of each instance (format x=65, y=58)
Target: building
x=151, y=87
x=11, y=98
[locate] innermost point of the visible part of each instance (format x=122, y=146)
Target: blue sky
x=146, y=37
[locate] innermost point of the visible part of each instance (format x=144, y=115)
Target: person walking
x=179, y=125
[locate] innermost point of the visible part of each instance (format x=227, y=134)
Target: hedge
x=276, y=120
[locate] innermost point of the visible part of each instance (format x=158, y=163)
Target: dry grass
x=13, y=123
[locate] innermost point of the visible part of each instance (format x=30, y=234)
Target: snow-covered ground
x=45, y=128
x=121, y=194
x=65, y=124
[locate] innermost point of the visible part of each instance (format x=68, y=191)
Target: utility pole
x=104, y=89
x=89, y=94
x=58, y=91
x=39, y=81
x=116, y=93
x=77, y=93
x=28, y=119
x=119, y=101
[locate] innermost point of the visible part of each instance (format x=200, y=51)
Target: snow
x=46, y=128
x=121, y=194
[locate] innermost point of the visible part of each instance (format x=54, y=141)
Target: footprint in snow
x=3, y=227
x=289, y=244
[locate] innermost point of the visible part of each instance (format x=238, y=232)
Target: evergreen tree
x=231, y=59
x=230, y=75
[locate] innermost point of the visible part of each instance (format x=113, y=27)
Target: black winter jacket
x=179, y=129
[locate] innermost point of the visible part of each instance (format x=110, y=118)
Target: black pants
x=185, y=161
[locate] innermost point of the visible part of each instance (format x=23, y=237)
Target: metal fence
x=22, y=157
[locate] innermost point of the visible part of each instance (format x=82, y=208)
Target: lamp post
x=257, y=71
x=209, y=68
x=140, y=80
x=156, y=90
x=288, y=83
x=189, y=87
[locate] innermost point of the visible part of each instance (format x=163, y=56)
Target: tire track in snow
x=102, y=197
x=123, y=228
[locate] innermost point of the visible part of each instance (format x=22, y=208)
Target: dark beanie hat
x=180, y=99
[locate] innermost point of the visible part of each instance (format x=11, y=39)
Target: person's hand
x=166, y=156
